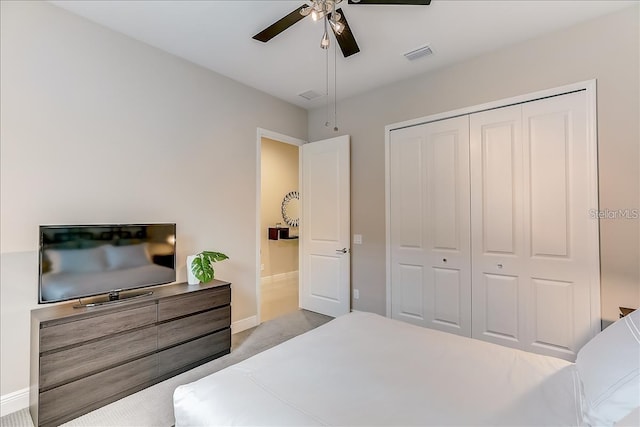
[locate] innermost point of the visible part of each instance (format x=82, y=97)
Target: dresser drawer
x=74, y=396
x=182, y=355
x=76, y=362
x=186, y=328
x=78, y=331
x=196, y=301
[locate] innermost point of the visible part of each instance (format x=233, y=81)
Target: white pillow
x=609, y=368
x=77, y=260
x=129, y=256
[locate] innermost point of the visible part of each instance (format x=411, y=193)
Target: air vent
x=310, y=94
x=419, y=53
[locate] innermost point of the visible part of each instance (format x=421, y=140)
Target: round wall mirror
x=291, y=209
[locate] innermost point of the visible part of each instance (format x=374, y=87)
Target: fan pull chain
x=335, y=89
x=326, y=84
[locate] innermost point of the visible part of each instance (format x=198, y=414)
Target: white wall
x=99, y=128
x=607, y=49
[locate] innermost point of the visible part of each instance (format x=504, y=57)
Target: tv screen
x=78, y=261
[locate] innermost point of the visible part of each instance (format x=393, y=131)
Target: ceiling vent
x=310, y=94
x=419, y=53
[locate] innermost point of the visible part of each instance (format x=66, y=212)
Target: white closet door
x=430, y=248
x=532, y=234
x=497, y=226
x=560, y=257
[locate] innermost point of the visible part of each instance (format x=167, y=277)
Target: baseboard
x=244, y=324
x=15, y=401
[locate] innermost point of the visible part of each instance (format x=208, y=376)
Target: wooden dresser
x=85, y=358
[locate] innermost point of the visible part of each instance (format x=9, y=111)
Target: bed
x=365, y=369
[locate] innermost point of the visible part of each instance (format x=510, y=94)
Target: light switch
x=357, y=239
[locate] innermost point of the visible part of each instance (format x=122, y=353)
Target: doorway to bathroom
x=278, y=289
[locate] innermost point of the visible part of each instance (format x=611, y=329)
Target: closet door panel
x=549, y=173
x=442, y=175
x=498, y=187
x=557, y=198
x=448, y=232
x=430, y=246
x=410, y=293
x=408, y=196
x=500, y=306
x=496, y=180
x=496, y=218
x=552, y=315
x=447, y=290
x=407, y=234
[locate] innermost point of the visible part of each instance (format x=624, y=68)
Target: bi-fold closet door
x=490, y=229
x=429, y=228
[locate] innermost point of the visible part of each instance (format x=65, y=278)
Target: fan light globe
x=324, y=43
x=338, y=27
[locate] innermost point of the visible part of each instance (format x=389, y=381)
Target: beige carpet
x=153, y=406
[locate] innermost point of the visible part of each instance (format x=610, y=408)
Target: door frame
x=589, y=86
x=286, y=139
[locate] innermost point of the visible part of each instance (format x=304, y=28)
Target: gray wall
x=99, y=128
x=606, y=49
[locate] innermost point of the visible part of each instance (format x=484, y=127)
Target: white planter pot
x=191, y=279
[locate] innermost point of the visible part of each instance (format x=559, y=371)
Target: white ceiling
x=217, y=35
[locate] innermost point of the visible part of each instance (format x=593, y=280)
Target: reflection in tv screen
x=87, y=260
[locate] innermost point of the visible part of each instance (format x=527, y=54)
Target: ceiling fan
x=334, y=18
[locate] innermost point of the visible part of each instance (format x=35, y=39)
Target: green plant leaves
x=214, y=256
x=202, y=265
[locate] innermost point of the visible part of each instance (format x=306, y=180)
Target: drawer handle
x=499, y=265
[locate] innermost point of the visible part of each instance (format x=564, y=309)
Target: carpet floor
x=153, y=406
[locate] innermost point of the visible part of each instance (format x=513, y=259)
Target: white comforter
x=365, y=369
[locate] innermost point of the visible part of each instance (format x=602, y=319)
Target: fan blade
x=279, y=26
x=408, y=2
x=345, y=39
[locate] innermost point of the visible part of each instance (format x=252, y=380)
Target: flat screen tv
x=80, y=261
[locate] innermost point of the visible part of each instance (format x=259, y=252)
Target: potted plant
x=201, y=266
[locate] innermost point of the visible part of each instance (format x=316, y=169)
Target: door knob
x=342, y=251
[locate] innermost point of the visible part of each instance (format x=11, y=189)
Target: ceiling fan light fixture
x=324, y=43
x=317, y=15
x=338, y=27
x=305, y=11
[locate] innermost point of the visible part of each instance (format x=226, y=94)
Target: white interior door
x=325, y=259
x=429, y=225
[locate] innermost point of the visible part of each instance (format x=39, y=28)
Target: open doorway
x=277, y=288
